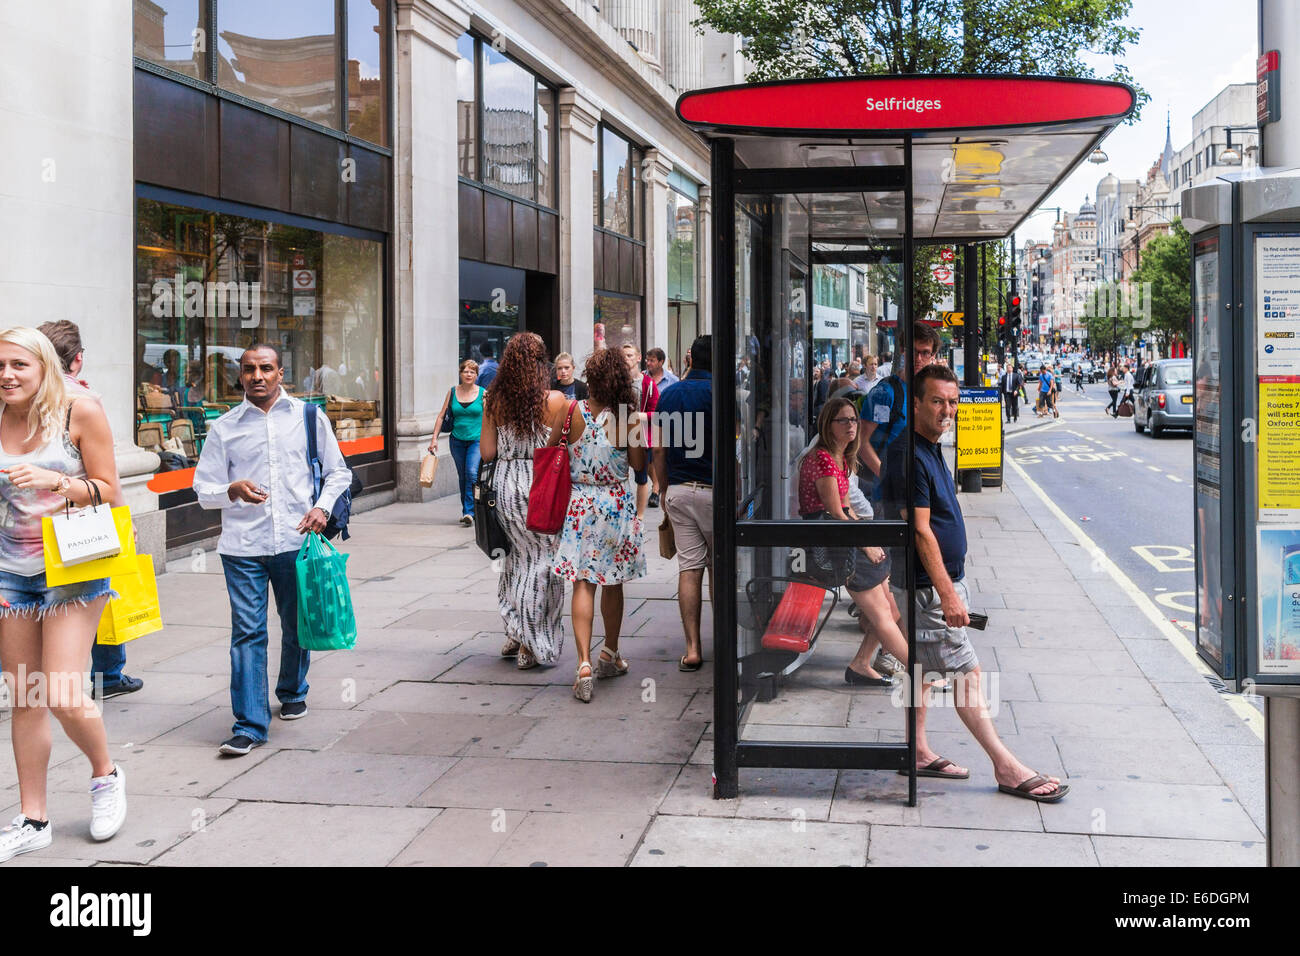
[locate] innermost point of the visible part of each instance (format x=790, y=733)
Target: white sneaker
x=107, y=804
x=21, y=837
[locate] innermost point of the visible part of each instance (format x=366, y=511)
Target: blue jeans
x=246, y=581
x=108, y=659
x=466, y=456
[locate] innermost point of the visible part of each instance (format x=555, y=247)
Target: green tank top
x=466, y=420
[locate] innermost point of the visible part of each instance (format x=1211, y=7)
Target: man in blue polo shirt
x=943, y=644
x=683, y=461
x=884, y=413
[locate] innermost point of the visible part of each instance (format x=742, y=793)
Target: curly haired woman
x=600, y=543
x=516, y=411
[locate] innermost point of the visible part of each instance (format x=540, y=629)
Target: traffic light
x=1013, y=314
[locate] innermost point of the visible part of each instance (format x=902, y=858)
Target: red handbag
x=548, y=498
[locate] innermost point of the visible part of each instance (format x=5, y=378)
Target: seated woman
x=824, y=479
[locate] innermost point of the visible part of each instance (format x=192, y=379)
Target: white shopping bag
x=86, y=535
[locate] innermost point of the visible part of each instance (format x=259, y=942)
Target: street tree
x=1166, y=270
x=805, y=39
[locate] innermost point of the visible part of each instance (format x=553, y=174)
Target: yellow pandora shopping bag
x=136, y=612
x=57, y=573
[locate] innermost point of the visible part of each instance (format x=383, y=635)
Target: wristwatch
x=62, y=487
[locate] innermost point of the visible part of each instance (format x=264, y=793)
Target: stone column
x=68, y=247
x=426, y=254
x=704, y=283
x=655, y=171
x=578, y=118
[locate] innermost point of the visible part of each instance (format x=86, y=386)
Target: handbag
x=447, y=423
x=58, y=573
x=135, y=611
x=548, y=498
x=667, y=543
x=428, y=470
x=824, y=566
x=326, y=621
x=489, y=530
x=1124, y=410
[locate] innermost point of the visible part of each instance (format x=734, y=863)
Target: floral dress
x=601, y=538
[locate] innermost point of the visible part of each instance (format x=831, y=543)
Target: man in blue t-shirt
x=943, y=646
x=683, y=464
x=487, y=371
x=884, y=413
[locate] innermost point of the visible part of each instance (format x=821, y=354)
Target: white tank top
x=21, y=510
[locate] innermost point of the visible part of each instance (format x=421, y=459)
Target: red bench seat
x=795, y=622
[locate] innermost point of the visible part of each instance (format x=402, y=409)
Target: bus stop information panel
x=810, y=178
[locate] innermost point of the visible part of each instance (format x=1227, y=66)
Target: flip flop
x=935, y=769
x=1037, y=780
x=683, y=666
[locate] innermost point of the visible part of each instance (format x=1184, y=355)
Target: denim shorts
x=29, y=596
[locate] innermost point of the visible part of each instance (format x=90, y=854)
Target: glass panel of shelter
x=795, y=641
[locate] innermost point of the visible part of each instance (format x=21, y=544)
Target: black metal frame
x=730, y=753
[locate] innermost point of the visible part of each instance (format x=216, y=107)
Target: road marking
x=1248, y=714
x=1173, y=478
x=1164, y=563
x=1138, y=460
x=1152, y=468
x=1168, y=600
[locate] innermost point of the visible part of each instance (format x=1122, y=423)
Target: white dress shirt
x=269, y=449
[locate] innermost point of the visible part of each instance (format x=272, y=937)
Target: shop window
x=682, y=244
x=367, y=70
x=172, y=33
x=209, y=285
x=616, y=182
x=618, y=322
x=545, y=172
x=285, y=59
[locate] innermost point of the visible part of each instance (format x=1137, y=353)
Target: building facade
x=220, y=173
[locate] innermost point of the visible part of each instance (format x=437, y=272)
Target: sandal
x=936, y=767
x=614, y=666
x=510, y=648
x=525, y=660
x=583, y=686
x=1026, y=788
x=686, y=666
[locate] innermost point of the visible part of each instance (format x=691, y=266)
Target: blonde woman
x=464, y=404
x=564, y=381
x=53, y=449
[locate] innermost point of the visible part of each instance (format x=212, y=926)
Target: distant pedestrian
x=519, y=408
x=600, y=543
x=685, y=472
x=54, y=449
x=487, y=372
x=870, y=364
x=254, y=468
x=656, y=366
x=1012, y=387
x=943, y=646
x=645, y=395
x=1045, y=382
x=1126, y=384
x=1113, y=382
x=886, y=367
x=107, y=661
x=464, y=403
x=564, y=381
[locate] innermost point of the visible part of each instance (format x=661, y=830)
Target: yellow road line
x=1252, y=718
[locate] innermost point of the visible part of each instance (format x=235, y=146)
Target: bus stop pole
x=1279, y=22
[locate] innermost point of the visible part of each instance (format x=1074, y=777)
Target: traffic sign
x=304, y=280
x=941, y=275
x=951, y=319
x=946, y=255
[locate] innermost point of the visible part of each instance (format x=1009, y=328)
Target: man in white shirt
x=254, y=466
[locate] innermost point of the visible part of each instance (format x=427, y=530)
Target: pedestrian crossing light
x=1013, y=313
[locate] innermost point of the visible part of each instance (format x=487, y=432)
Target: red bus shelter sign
x=899, y=104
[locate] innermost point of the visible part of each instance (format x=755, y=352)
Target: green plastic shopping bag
x=325, y=618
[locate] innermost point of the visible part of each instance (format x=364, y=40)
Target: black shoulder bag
x=489, y=530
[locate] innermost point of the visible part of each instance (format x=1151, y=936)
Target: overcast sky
x=1189, y=50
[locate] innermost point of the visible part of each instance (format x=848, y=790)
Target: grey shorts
x=939, y=648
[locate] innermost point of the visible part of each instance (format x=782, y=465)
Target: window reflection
x=509, y=94
x=165, y=33
x=283, y=54
x=618, y=322
x=367, y=68
x=616, y=183
x=545, y=110
x=466, y=109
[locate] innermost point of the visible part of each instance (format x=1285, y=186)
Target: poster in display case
x=1278, y=568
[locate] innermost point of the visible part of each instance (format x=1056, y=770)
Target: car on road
x=1162, y=396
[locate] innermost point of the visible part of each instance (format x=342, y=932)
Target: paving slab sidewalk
x=423, y=747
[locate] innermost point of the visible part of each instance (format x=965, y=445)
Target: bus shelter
x=810, y=176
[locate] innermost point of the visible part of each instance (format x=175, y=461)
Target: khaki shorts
x=690, y=509
x=939, y=648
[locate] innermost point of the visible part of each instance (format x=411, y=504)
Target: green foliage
x=804, y=39
x=927, y=291
x=1167, y=266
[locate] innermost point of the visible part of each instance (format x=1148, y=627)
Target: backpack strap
x=313, y=457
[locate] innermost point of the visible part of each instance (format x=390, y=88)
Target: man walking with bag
x=255, y=467
x=1012, y=387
